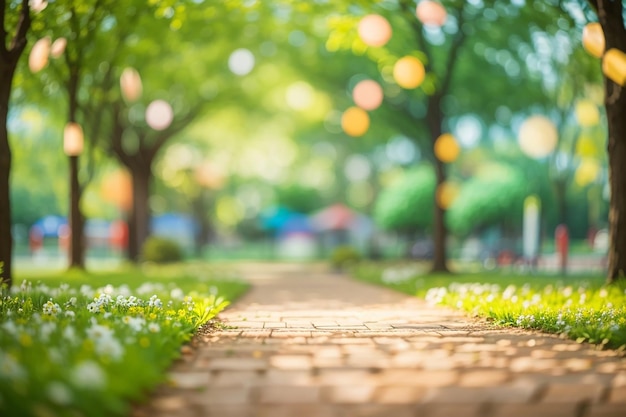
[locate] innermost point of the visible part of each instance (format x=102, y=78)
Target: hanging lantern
x=446, y=194
x=73, y=140
x=368, y=94
x=537, y=136
x=159, y=115
x=374, y=30
x=58, y=47
x=593, y=39
x=130, y=83
x=38, y=57
x=355, y=121
x=446, y=148
x=587, y=113
x=431, y=13
x=614, y=66
x=409, y=72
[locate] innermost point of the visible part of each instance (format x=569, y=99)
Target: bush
x=344, y=256
x=161, y=250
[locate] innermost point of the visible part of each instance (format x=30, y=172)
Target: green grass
x=581, y=307
x=90, y=344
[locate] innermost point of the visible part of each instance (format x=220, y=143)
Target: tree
x=11, y=49
x=475, y=38
x=611, y=17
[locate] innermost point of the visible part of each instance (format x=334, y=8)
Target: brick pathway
x=307, y=343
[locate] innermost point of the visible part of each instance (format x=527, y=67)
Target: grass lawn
x=579, y=306
x=90, y=344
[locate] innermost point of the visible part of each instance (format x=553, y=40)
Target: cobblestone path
x=306, y=343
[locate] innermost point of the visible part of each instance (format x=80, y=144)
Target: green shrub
x=344, y=256
x=161, y=250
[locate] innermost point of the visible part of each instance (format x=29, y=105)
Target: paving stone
x=450, y=410
x=577, y=393
x=606, y=410
x=230, y=378
x=292, y=362
x=483, y=378
x=370, y=410
x=189, y=380
x=289, y=394
x=535, y=410
x=417, y=377
x=618, y=395
x=317, y=410
x=238, y=364
x=503, y=394
x=223, y=395
x=399, y=394
x=348, y=394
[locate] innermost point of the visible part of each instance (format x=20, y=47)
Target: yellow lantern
x=409, y=72
x=446, y=148
x=593, y=39
x=58, y=47
x=73, y=139
x=446, y=194
x=355, y=121
x=614, y=66
x=431, y=13
x=374, y=30
x=38, y=57
x=368, y=94
x=537, y=136
x=587, y=113
x=130, y=83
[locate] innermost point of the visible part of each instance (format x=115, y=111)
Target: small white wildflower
x=88, y=375
x=70, y=314
x=110, y=347
x=59, y=393
x=51, y=309
x=71, y=302
x=154, y=328
x=93, y=308
x=10, y=368
x=603, y=293
x=97, y=332
x=69, y=333
x=177, y=294
x=46, y=329
x=107, y=315
x=155, y=302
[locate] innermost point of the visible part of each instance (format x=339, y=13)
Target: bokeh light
x=431, y=13
x=587, y=146
x=537, y=136
x=299, y=95
x=587, y=172
x=38, y=57
x=446, y=194
x=368, y=95
x=468, y=131
x=38, y=5
x=593, y=39
x=409, y=72
x=357, y=168
x=241, y=62
x=117, y=188
x=447, y=149
x=73, y=139
x=58, y=47
x=209, y=176
x=159, y=114
x=355, y=121
x=374, y=30
x=130, y=84
x=587, y=113
x=614, y=66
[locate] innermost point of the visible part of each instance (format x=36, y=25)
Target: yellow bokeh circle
x=409, y=72
x=446, y=194
x=593, y=39
x=446, y=148
x=355, y=121
x=587, y=113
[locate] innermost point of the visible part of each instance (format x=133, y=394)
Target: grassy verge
x=89, y=344
x=581, y=307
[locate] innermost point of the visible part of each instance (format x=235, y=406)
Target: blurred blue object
x=50, y=226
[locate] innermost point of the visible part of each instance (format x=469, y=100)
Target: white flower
x=135, y=323
x=10, y=368
x=93, y=307
x=111, y=347
x=177, y=294
x=59, y=393
x=88, y=375
x=71, y=302
x=46, y=329
x=155, y=302
x=51, y=309
x=154, y=327
x=10, y=327
x=70, y=314
x=69, y=333
x=97, y=332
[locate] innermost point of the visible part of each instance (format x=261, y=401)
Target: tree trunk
x=139, y=221
x=560, y=189
x=10, y=52
x=76, y=219
x=6, y=238
x=434, y=118
x=611, y=19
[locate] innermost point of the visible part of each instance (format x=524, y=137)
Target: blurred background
x=466, y=133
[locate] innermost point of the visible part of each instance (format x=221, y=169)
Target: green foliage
x=495, y=194
x=161, y=250
x=408, y=203
x=75, y=349
x=344, y=256
x=299, y=198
